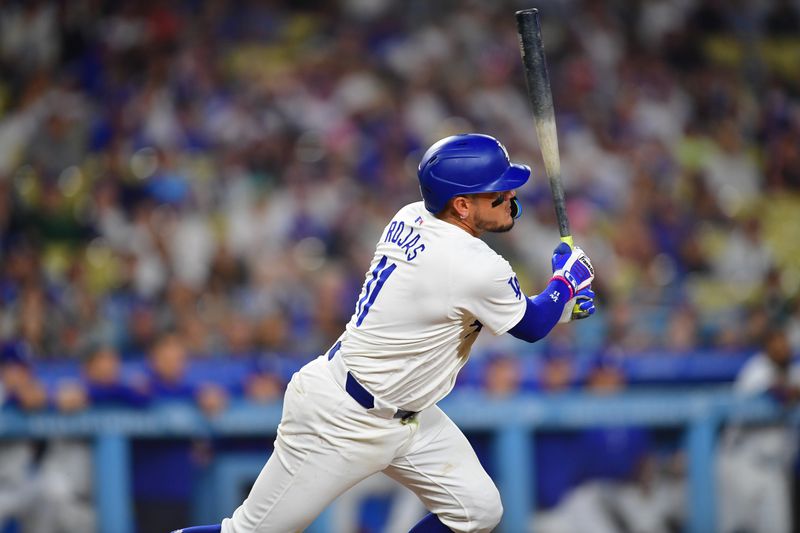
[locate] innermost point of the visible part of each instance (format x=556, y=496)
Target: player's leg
x=441, y=467
x=405, y=509
x=775, y=509
x=734, y=498
x=283, y=500
x=326, y=444
x=19, y=490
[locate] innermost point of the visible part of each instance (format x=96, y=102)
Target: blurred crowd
x=47, y=486
x=222, y=169
x=205, y=180
x=600, y=477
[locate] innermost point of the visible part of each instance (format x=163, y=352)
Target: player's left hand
x=580, y=307
x=560, y=256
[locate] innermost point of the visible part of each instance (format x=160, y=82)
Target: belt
x=357, y=391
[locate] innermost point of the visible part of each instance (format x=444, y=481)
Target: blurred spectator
x=555, y=467
x=620, y=487
x=731, y=170
x=556, y=374
x=746, y=258
x=793, y=324
x=26, y=30
x=18, y=484
x=503, y=375
x=64, y=501
x=55, y=495
x=782, y=19
x=19, y=487
x=167, y=379
x=66, y=469
x=102, y=383
x=627, y=333
x=263, y=383
x=20, y=387
x=755, y=461
x=783, y=167
x=105, y=384
x=681, y=332
x=162, y=502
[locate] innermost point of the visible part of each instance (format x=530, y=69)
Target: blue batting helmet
x=466, y=164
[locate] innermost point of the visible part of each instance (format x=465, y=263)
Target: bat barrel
x=533, y=59
x=537, y=80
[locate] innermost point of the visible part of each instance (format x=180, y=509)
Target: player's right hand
x=584, y=304
x=572, y=266
x=579, y=307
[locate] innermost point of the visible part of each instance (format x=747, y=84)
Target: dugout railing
x=512, y=423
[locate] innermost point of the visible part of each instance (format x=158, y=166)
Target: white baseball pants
x=753, y=496
x=327, y=443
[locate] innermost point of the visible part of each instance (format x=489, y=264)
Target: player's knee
x=478, y=511
x=492, y=511
x=487, y=510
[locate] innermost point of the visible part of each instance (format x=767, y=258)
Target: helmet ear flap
x=516, y=208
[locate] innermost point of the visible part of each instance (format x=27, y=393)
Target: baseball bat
x=538, y=83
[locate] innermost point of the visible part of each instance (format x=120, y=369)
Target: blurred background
x=191, y=191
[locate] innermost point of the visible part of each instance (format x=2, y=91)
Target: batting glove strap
x=567, y=279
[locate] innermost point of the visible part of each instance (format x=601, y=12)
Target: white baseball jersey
x=776, y=441
x=430, y=289
x=755, y=461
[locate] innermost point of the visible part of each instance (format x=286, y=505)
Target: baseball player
x=368, y=404
x=755, y=461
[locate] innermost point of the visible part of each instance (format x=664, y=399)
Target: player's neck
x=450, y=218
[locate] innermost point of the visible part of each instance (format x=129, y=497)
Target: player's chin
x=502, y=228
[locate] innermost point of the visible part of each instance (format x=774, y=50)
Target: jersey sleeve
x=490, y=291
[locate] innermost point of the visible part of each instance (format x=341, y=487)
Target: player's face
x=492, y=211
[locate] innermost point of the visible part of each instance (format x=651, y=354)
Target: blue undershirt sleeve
x=542, y=312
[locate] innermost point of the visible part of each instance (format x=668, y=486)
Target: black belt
x=357, y=391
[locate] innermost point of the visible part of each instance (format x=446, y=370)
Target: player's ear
x=460, y=206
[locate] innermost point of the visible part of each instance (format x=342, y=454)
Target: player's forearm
x=543, y=312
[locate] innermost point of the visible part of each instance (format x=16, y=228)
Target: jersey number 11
x=372, y=287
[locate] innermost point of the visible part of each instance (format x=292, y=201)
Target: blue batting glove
x=584, y=304
x=560, y=256
x=581, y=306
x=575, y=269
